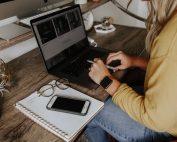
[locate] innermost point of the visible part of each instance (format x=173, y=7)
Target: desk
x=29, y=74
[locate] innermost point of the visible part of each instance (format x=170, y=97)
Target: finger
x=121, y=67
x=97, y=62
x=116, y=69
x=96, y=59
x=114, y=54
x=113, y=59
x=111, y=54
x=91, y=65
x=90, y=74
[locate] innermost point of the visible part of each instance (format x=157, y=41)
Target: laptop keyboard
x=81, y=64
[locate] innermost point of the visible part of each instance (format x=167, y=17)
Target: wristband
x=106, y=82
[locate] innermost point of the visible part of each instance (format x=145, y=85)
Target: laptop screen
x=60, y=35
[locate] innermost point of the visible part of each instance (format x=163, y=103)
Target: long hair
x=160, y=11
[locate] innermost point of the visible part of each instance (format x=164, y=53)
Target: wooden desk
x=29, y=74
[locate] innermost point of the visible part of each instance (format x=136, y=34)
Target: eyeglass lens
x=48, y=89
x=62, y=83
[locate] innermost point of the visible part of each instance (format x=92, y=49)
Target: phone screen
x=68, y=104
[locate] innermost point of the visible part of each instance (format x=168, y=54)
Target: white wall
x=109, y=9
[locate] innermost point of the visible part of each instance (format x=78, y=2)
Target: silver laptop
x=64, y=46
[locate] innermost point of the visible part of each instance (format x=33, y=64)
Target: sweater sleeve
x=157, y=109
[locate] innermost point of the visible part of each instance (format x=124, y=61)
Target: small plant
x=107, y=22
x=4, y=78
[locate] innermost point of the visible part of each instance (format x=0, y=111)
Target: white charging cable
x=92, y=42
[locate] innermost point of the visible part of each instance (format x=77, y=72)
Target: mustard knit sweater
x=156, y=110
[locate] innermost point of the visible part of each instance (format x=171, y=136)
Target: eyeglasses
x=49, y=89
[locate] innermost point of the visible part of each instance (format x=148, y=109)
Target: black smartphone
x=69, y=105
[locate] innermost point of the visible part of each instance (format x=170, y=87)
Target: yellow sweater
x=156, y=110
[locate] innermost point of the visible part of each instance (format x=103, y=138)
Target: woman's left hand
x=98, y=71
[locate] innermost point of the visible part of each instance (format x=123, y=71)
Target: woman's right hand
x=125, y=60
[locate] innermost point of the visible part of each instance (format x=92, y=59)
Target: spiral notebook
x=65, y=125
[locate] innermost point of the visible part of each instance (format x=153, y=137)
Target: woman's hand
x=98, y=71
x=126, y=61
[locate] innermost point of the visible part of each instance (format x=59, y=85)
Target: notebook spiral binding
x=32, y=115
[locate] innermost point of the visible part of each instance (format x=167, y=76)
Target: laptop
x=64, y=45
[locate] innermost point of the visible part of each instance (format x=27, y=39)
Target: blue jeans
x=112, y=120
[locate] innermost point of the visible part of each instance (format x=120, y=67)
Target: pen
x=109, y=67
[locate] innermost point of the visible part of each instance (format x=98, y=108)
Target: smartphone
x=69, y=105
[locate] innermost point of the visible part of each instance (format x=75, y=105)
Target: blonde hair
x=160, y=12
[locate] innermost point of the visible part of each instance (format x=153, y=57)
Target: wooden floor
x=83, y=138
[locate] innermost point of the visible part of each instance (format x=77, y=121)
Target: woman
x=152, y=116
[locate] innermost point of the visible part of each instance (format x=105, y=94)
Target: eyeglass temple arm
x=118, y=5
